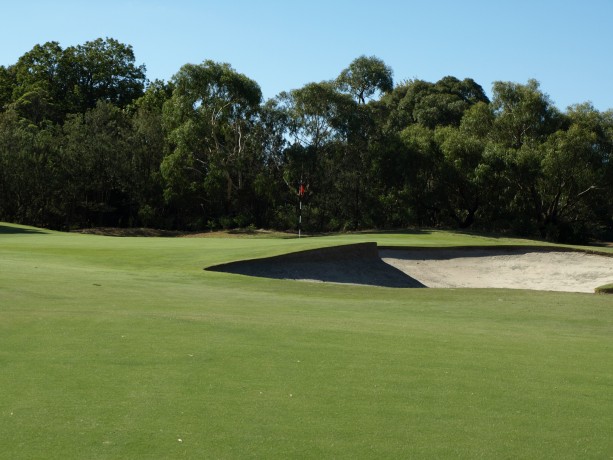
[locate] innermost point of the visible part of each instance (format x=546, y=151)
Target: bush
x=606, y=289
x=147, y=216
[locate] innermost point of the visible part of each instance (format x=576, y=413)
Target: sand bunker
x=499, y=267
x=512, y=268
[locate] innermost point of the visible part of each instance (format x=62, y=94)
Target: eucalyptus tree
x=317, y=114
x=40, y=83
x=523, y=112
x=12, y=175
x=366, y=76
x=422, y=176
x=316, y=119
x=29, y=164
x=433, y=104
x=209, y=120
x=607, y=190
x=50, y=82
x=102, y=70
x=96, y=164
x=363, y=79
x=41, y=66
x=524, y=118
x=7, y=84
x=148, y=146
x=274, y=201
x=328, y=130
x=435, y=173
x=460, y=174
x=570, y=198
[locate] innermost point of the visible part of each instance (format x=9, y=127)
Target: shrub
x=606, y=289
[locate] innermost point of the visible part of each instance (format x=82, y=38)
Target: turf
x=126, y=348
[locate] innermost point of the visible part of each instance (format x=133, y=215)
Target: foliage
x=85, y=140
x=51, y=82
x=606, y=289
x=210, y=118
x=365, y=76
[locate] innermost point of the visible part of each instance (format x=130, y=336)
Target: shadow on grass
x=363, y=232
x=260, y=233
x=10, y=230
x=347, y=264
x=602, y=244
x=455, y=252
x=129, y=232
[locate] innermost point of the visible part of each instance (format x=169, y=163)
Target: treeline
x=86, y=140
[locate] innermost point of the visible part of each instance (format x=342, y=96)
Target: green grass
x=119, y=347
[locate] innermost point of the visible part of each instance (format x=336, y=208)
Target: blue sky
x=565, y=45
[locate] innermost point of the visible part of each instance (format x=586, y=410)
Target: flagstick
x=300, y=220
x=300, y=195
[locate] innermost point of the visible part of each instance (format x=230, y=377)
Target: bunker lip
x=517, y=267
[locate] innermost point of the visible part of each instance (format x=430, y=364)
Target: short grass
x=126, y=348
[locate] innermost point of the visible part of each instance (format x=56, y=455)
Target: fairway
x=126, y=348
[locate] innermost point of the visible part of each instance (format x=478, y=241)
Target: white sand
x=546, y=271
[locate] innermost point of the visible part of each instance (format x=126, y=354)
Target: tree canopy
x=365, y=76
x=86, y=140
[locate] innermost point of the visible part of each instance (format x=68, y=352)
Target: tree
x=462, y=175
x=85, y=140
x=434, y=104
x=317, y=114
x=49, y=82
x=102, y=70
x=147, y=145
x=29, y=165
x=491, y=174
x=364, y=77
x=325, y=127
x=209, y=119
x=96, y=167
x=42, y=66
x=40, y=83
x=274, y=200
x=523, y=113
x=569, y=202
x=7, y=85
